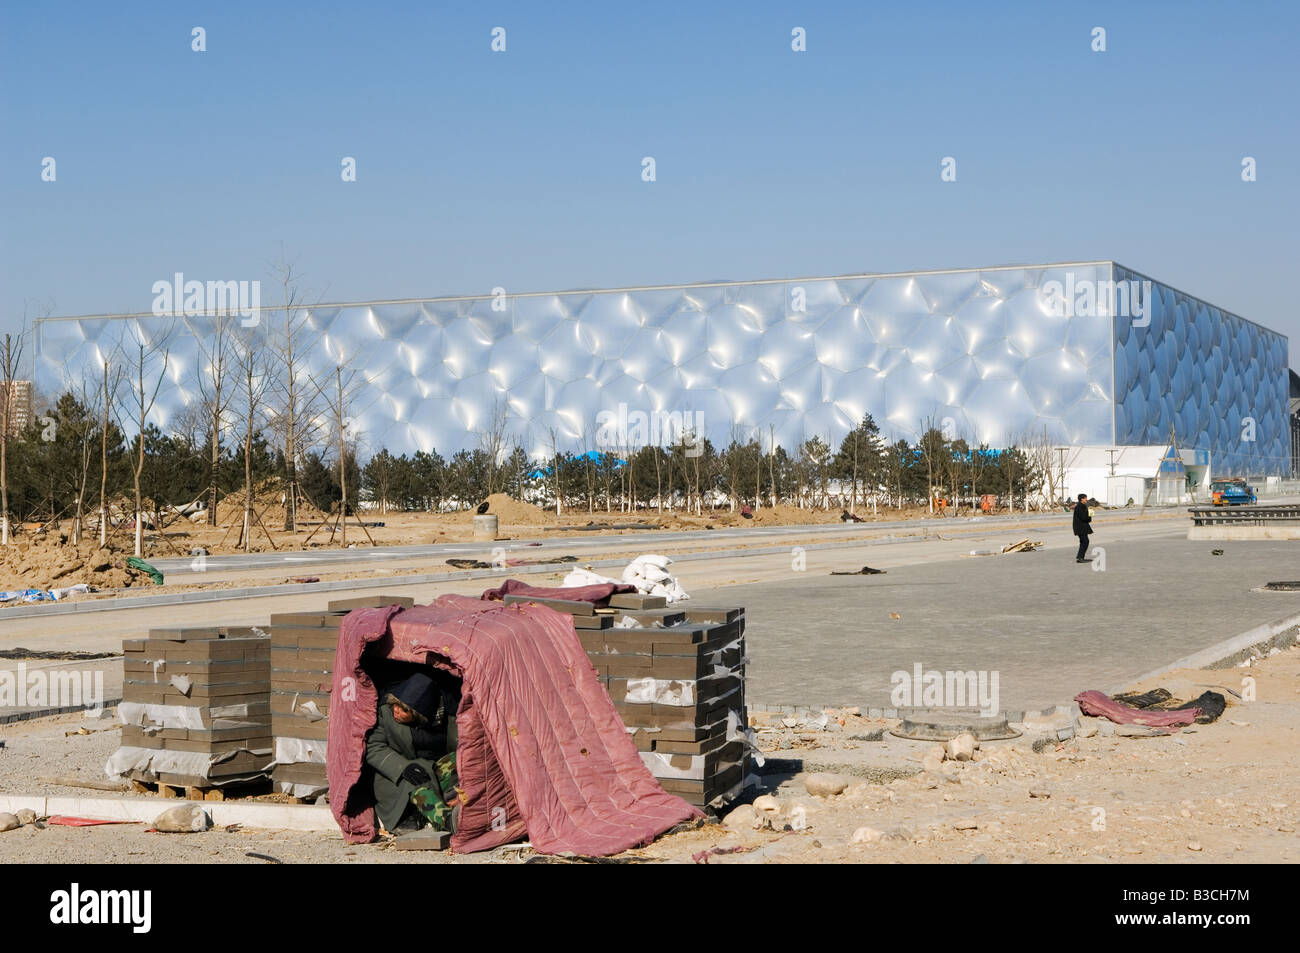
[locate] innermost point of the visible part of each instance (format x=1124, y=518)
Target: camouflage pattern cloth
x=438, y=804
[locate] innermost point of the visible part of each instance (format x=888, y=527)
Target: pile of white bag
x=649, y=573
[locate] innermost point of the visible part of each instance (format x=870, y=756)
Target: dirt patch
x=1224, y=792
x=512, y=512
x=47, y=563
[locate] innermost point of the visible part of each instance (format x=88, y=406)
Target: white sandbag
x=583, y=577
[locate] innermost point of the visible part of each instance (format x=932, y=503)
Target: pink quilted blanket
x=542, y=751
x=597, y=594
x=1101, y=705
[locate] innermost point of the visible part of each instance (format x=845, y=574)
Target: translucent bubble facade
x=994, y=355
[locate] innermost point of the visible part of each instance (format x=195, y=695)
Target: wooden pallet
x=199, y=792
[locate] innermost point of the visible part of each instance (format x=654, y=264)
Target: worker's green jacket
x=390, y=747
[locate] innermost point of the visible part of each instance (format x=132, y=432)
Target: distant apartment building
x=18, y=396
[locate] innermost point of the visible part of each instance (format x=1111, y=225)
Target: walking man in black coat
x=1082, y=526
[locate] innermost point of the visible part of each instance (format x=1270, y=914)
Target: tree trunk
x=248, y=484
x=103, y=468
x=343, y=470
x=216, y=456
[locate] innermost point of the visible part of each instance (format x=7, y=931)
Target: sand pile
x=268, y=503
x=785, y=515
x=512, y=512
x=46, y=564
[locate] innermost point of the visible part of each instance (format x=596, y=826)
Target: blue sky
x=522, y=169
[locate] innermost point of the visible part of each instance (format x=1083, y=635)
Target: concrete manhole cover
x=937, y=725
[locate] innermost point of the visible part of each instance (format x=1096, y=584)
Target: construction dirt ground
x=1067, y=789
x=1225, y=792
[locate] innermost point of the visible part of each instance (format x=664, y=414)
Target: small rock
x=877, y=735
x=1138, y=731
x=965, y=824
x=789, y=722
x=865, y=835
x=9, y=822
x=183, y=819
x=823, y=784
x=767, y=806
x=742, y=818
x=1193, y=845
x=26, y=816
x=1239, y=724
x=1085, y=731
x=961, y=748
x=980, y=859
x=1054, y=725
x=1035, y=792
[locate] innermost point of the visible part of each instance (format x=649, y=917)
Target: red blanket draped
x=541, y=751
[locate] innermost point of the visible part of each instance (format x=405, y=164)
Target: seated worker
x=412, y=749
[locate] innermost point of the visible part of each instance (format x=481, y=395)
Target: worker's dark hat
x=417, y=693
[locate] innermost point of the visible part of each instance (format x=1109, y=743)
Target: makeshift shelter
x=542, y=751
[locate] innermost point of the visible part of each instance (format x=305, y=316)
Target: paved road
x=1050, y=627
x=594, y=544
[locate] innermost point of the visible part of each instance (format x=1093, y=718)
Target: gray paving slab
x=36, y=687
x=1048, y=626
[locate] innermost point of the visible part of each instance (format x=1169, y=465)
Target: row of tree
x=73, y=462
x=695, y=475
x=259, y=408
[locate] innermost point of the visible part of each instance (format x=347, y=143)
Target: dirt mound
x=268, y=504
x=512, y=512
x=49, y=564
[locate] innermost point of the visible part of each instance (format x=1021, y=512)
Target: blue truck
x=1231, y=493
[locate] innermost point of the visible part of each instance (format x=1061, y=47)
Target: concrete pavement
x=1048, y=626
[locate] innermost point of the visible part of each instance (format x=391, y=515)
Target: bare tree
x=337, y=392
x=295, y=397
x=493, y=442
x=85, y=448
x=251, y=365
x=111, y=383
x=11, y=355
x=771, y=461
x=215, y=395
x=148, y=358
x=555, y=466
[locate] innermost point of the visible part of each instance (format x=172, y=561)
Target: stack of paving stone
x=195, y=709
x=677, y=677
x=302, y=671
